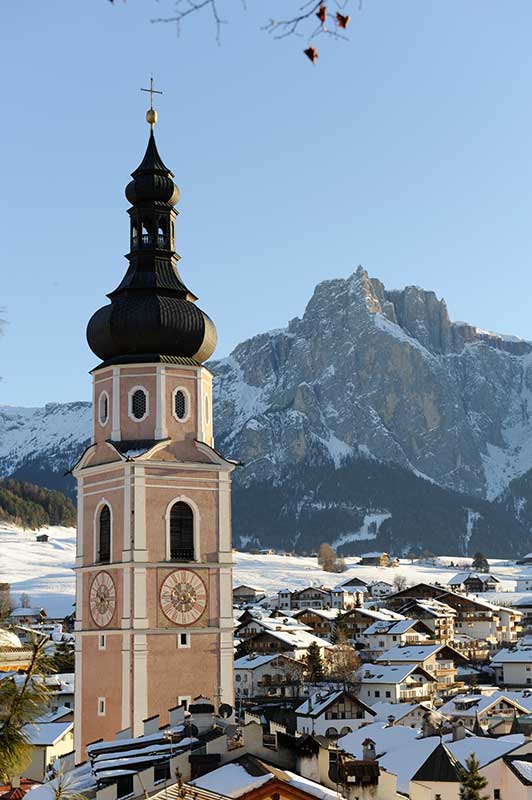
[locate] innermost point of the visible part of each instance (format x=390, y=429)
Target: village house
x=524, y=583
x=26, y=616
x=321, y=621
x=332, y=714
x=252, y=625
x=13, y=654
x=268, y=676
x=378, y=589
x=315, y=597
x=439, y=660
x=386, y=634
x=411, y=715
x=395, y=683
x=48, y=740
x=378, y=559
x=475, y=582
x=513, y=666
x=438, y=617
x=484, y=710
x=295, y=641
x=245, y=594
x=358, y=620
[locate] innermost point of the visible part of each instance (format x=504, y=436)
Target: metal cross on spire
x=151, y=114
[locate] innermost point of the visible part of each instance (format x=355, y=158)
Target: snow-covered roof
x=25, y=612
x=9, y=639
x=318, y=702
x=477, y=704
x=524, y=768
x=297, y=638
x=383, y=711
x=388, y=673
x=516, y=655
x=462, y=577
x=401, y=752
x=373, y=613
x=254, y=661
x=413, y=653
x=325, y=613
x=390, y=626
x=231, y=780
x=46, y=733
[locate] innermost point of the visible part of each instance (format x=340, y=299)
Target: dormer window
x=138, y=403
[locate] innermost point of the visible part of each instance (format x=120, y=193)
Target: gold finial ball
x=151, y=116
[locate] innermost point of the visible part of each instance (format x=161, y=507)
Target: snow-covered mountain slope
x=44, y=570
x=380, y=392
x=41, y=444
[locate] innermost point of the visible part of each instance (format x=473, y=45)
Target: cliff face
x=384, y=374
x=374, y=417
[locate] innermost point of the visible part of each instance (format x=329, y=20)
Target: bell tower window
x=138, y=404
x=103, y=408
x=181, y=404
x=104, y=536
x=181, y=532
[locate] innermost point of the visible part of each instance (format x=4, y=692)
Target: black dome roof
x=152, y=315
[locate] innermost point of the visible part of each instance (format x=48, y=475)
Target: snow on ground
x=44, y=570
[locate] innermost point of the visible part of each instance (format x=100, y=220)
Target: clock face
x=102, y=599
x=183, y=597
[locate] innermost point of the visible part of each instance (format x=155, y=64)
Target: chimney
x=368, y=750
x=459, y=731
x=391, y=721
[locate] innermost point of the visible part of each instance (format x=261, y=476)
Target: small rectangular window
x=496, y=794
x=101, y=706
x=183, y=639
x=377, y=693
x=102, y=641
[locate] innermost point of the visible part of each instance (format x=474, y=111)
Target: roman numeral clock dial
x=102, y=599
x=183, y=597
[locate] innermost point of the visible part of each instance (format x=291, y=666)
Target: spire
x=152, y=315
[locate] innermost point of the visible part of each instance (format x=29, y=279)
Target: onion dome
x=152, y=315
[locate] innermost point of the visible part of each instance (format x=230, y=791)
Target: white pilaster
x=126, y=546
x=140, y=608
x=139, y=509
x=126, y=680
x=161, y=431
x=225, y=544
x=140, y=682
x=115, y=432
x=200, y=406
x=79, y=532
x=77, y=698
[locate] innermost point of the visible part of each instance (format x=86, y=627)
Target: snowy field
x=44, y=570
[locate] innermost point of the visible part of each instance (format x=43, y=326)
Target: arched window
x=139, y=404
x=104, y=535
x=104, y=408
x=180, y=404
x=181, y=532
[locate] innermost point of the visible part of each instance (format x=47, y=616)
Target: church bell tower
x=153, y=563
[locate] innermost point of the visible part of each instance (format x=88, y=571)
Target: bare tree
x=25, y=601
x=309, y=20
x=399, y=583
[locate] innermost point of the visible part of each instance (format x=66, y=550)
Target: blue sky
x=406, y=149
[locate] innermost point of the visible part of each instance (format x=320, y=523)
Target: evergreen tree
x=480, y=563
x=471, y=781
x=314, y=663
x=339, y=634
x=63, y=658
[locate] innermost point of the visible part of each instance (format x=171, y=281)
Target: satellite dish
x=225, y=710
x=192, y=729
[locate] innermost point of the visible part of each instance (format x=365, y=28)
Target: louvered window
x=180, y=404
x=104, y=543
x=138, y=404
x=181, y=532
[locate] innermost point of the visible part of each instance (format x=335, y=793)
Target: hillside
x=372, y=421
x=44, y=570
x=33, y=506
